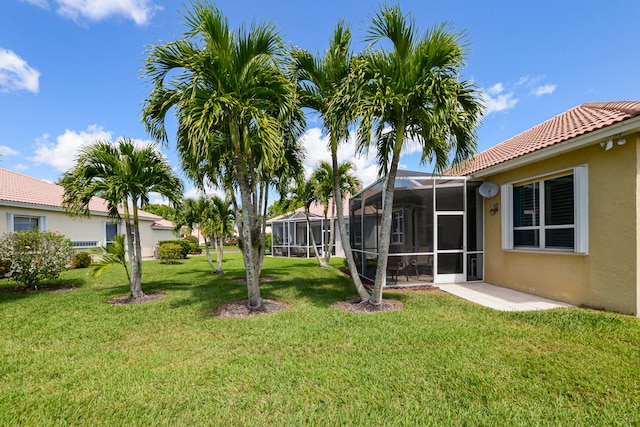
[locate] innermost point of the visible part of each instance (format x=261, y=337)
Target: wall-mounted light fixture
x=493, y=208
x=608, y=144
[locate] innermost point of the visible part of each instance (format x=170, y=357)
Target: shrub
x=184, y=244
x=194, y=241
x=4, y=268
x=268, y=238
x=35, y=255
x=169, y=253
x=81, y=260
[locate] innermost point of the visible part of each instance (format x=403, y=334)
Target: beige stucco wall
x=608, y=276
x=86, y=229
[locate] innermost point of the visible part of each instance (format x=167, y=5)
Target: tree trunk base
x=137, y=294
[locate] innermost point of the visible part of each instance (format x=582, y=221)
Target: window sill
x=545, y=251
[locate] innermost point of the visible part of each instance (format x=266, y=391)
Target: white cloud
x=317, y=149
x=16, y=74
x=21, y=167
x=139, y=11
x=62, y=154
x=194, y=193
x=7, y=151
x=497, y=99
x=547, y=89
x=40, y=3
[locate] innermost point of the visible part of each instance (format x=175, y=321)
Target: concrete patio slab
x=500, y=298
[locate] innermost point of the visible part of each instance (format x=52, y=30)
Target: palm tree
x=219, y=225
x=324, y=86
x=348, y=184
x=237, y=112
x=413, y=91
x=114, y=253
x=304, y=193
x=194, y=214
x=124, y=175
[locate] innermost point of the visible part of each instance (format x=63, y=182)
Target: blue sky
x=70, y=69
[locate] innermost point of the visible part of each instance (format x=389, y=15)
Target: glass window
x=111, y=231
x=544, y=214
x=26, y=223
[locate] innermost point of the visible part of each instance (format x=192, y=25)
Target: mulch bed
x=126, y=299
x=22, y=289
x=239, y=309
x=356, y=305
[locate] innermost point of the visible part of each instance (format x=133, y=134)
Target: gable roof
x=577, y=121
x=21, y=190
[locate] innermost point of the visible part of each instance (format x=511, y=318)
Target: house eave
x=50, y=208
x=591, y=138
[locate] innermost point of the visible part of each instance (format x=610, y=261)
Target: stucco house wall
x=607, y=276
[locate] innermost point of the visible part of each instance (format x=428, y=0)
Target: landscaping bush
x=81, y=260
x=169, y=253
x=35, y=255
x=194, y=241
x=184, y=244
x=4, y=268
x=268, y=238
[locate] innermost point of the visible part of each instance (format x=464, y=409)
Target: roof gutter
x=591, y=138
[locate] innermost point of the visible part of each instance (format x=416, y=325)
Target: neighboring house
x=291, y=233
x=29, y=203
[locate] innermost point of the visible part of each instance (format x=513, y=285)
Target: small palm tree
x=413, y=91
x=219, y=224
x=114, y=253
x=304, y=193
x=348, y=183
x=123, y=174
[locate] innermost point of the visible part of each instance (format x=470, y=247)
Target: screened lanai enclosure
x=436, y=233
x=292, y=235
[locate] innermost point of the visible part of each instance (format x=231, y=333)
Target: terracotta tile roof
x=577, y=121
x=32, y=192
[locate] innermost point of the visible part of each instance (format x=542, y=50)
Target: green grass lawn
x=69, y=358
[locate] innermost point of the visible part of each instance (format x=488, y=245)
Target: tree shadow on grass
x=12, y=291
x=287, y=287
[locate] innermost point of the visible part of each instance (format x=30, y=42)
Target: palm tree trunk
x=137, y=256
x=342, y=229
x=313, y=240
x=206, y=250
x=135, y=288
x=332, y=235
x=220, y=254
x=385, y=226
x=247, y=223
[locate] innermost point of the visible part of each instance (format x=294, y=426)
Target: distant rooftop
x=19, y=189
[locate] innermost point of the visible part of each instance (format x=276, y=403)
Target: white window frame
x=397, y=227
x=581, y=211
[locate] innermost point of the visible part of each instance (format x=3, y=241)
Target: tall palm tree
x=412, y=91
x=323, y=86
x=237, y=114
x=348, y=184
x=123, y=174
